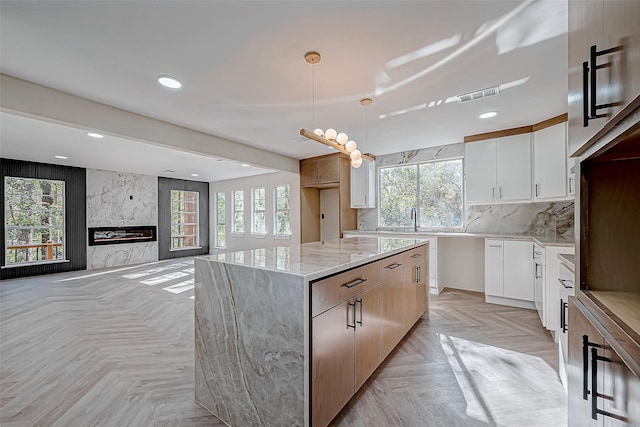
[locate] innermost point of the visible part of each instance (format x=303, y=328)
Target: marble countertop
x=318, y=259
x=541, y=239
x=568, y=260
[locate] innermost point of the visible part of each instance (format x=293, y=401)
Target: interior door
x=329, y=214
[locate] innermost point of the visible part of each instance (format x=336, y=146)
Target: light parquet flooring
x=115, y=348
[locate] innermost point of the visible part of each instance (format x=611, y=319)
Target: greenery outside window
x=258, y=212
x=220, y=220
x=184, y=219
x=33, y=220
x=238, y=211
x=433, y=188
x=282, y=226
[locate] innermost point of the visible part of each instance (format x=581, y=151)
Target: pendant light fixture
x=330, y=137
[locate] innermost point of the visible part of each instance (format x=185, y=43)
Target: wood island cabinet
x=358, y=318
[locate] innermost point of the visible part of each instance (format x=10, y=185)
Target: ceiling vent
x=479, y=94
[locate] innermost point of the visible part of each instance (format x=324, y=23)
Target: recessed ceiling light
x=245, y=165
x=194, y=174
x=95, y=135
x=488, y=114
x=61, y=157
x=170, y=82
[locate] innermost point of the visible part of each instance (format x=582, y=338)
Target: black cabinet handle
x=564, y=282
x=355, y=283
x=594, y=54
x=393, y=266
x=354, y=316
x=562, y=319
x=418, y=255
x=565, y=306
x=585, y=365
x=594, y=386
x=360, y=302
x=585, y=94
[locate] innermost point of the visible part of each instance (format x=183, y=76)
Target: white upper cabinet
x=480, y=171
x=514, y=168
x=498, y=170
x=363, y=186
x=550, y=162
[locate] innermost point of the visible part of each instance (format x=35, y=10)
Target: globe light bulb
x=319, y=132
x=350, y=146
x=356, y=155
x=356, y=163
x=330, y=134
x=342, y=138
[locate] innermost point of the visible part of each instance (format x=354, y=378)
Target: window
x=282, y=224
x=33, y=220
x=184, y=219
x=434, y=188
x=238, y=211
x=258, y=223
x=220, y=220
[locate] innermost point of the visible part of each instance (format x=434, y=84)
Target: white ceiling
x=245, y=78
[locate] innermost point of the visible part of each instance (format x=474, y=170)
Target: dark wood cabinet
x=603, y=389
x=610, y=27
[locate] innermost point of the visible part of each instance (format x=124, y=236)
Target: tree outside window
x=258, y=213
x=184, y=219
x=433, y=188
x=220, y=220
x=238, y=211
x=282, y=221
x=33, y=220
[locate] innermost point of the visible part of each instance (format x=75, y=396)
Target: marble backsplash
x=517, y=218
x=119, y=199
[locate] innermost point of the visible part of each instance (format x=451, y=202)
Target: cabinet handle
x=354, y=316
x=585, y=365
x=585, y=94
x=564, y=282
x=536, y=274
x=418, y=255
x=360, y=302
x=355, y=283
x=365, y=199
x=537, y=186
x=493, y=192
x=571, y=184
x=501, y=191
x=563, y=315
x=594, y=53
x=495, y=246
x=594, y=387
x=419, y=273
x=393, y=266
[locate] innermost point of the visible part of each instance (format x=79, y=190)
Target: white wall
x=268, y=181
x=119, y=199
x=461, y=263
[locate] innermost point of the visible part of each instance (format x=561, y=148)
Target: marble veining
x=119, y=199
x=250, y=344
x=318, y=259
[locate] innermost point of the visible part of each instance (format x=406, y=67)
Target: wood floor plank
x=114, y=347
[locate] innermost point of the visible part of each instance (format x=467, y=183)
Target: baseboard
x=510, y=302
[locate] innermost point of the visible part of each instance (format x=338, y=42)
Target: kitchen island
x=257, y=362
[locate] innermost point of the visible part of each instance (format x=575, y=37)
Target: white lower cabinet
x=509, y=272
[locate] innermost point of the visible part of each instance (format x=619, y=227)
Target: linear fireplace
x=119, y=235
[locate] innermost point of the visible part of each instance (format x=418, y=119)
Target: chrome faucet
x=414, y=217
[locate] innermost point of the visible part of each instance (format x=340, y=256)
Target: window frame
x=254, y=232
x=62, y=228
x=276, y=210
x=217, y=220
x=234, y=212
x=171, y=223
x=417, y=165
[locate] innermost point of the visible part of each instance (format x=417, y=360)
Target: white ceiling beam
x=32, y=100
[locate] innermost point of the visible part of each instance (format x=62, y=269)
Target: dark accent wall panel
x=75, y=211
x=165, y=185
